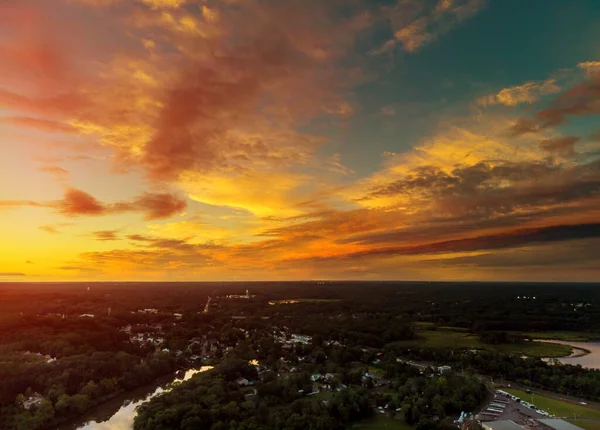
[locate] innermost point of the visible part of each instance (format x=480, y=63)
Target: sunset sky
x=299, y=139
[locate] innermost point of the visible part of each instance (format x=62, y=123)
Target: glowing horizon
x=216, y=140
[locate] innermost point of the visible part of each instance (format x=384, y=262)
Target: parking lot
x=503, y=408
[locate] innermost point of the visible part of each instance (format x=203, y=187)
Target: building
x=33, y=401
x=444, y=369
x=242, y=382
x=501, y=425
x=558, y=424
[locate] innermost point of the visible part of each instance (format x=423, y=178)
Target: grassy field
x=443, y=339
x=425, y=325
x=535, y=349
x=574, y=336
x=459, y=340
x=586, y=424
x=380, y=421
x=558, y=408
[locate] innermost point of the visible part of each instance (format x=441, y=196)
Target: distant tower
x=88, y=288
x=109, y=311
x=247, y=294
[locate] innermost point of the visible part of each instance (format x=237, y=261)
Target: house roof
x=503, y=425
x=559, y=424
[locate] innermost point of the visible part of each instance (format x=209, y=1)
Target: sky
x=205, y=140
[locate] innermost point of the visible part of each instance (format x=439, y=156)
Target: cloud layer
x=285, y=139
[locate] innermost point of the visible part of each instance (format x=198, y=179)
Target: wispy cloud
x=529, y=92
x=106, y=235
x=417, y=23
x=581, y=100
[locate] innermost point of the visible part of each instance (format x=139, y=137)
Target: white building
x=444, y=369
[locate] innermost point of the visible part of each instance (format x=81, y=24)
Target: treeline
x=429, y=402
x=567, y=379
x=72, y=384
x=215, y=401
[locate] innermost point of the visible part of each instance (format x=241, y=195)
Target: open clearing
x=380, y=421
x=573, y=336
x=558, y=408
x=445, y=338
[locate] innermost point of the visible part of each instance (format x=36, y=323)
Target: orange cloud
x=79, y=203
x=58, y=172
x=106, y=235
x=153, y=205
x=37, y=124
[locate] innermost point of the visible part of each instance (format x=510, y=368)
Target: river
x=585, y=353
x=118, y=414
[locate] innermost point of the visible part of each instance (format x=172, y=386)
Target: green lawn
x=535, y=349
x=574, y=336
x=425, y=325
x=586, y=424
x=558, y=408
x=443, y=339
x=461, y=340
x=381, y=421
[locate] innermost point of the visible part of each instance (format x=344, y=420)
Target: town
x=352, y=359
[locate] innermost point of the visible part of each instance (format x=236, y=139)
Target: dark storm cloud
x=511, y=239
x=488, y=190
x=463, y=180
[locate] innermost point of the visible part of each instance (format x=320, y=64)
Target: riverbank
x=586, y=354
x=119, y=410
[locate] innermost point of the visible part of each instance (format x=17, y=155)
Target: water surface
x=590, y=359
x=111, y=416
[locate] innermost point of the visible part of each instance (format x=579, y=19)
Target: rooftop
x=502, y=425
x=558, y=424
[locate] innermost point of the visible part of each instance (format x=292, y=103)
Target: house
x=32, y=401
x=242, y=382
x=444, y=369
x=315, y=377
x=86, y=316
